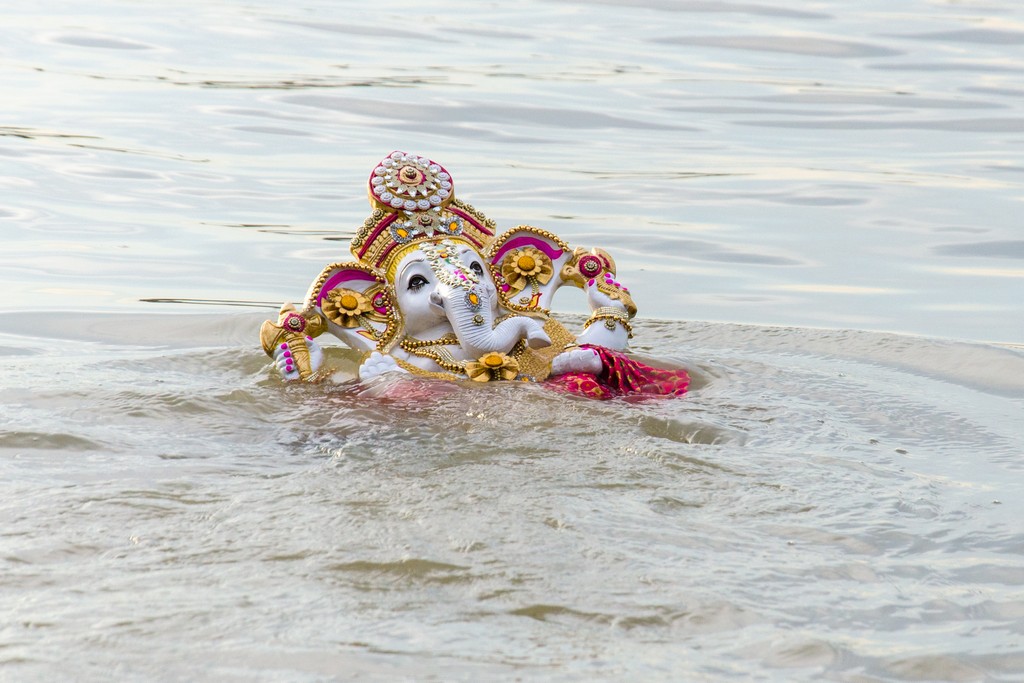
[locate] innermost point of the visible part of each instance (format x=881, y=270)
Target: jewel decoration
x=473, y=299
x=443, y=258
x=526, y=266
x=379, y=301
x=585, y=268
x=449, y=225
x=403, y=234
x=492, y=366
x=344, y=307
x=410, y=183
x=425, y=225
x=590, y=266
x=293, y=322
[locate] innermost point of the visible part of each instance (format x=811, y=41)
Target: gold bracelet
x=611, y=317
x=611, y=310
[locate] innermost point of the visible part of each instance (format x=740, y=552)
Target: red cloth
x=621, y=376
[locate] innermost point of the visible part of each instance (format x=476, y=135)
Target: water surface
x=816, y=206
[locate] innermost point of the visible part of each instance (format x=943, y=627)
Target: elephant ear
x=527, y=264
x=357, y=304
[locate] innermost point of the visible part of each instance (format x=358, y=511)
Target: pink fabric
x=621, y=376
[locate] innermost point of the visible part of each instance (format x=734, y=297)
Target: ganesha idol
x=435, y=291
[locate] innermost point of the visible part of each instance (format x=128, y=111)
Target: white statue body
x=436, y=291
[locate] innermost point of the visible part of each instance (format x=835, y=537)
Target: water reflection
x=1013, y=249
x=795, y=45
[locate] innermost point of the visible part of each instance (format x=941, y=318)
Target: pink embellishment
x=553, y=252
x=284, y=345
x=589, y=265
x=344, y=277
x=380, y=303
x=287, y=354
x=294, y=322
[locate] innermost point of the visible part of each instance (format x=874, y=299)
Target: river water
x=816, y=205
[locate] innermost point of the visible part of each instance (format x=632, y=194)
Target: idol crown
x=413, y=201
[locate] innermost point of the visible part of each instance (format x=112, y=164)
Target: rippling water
x=816, y=206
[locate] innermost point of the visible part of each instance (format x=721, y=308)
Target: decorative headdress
x=414, y=206
x=413, y=201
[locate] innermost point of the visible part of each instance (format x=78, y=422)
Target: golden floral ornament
x=344, y=307
x=522, y=265
x=492, y=366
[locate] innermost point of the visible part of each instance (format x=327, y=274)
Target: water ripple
x=795, y=45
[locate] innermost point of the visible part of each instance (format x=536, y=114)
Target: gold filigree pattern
x=536, y=363
x=477, y=215
x=612, y=317
x=519, y=230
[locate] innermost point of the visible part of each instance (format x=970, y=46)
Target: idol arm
x=530, y=264
x=609, y=322
x=289, y=342
x=611, y=305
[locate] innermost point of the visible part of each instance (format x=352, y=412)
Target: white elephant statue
x=436, y=291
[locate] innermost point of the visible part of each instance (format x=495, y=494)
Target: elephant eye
x=416, y=282
x=476, y=267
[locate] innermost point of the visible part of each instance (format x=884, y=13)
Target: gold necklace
x=409, y=344
x=441, y=356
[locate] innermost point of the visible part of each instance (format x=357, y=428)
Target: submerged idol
x=435, y=291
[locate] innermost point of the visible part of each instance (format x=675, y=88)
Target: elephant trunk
x=473, y=321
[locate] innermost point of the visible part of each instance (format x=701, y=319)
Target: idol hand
x=299, y=358
x=576, y=360
x=605, y=292
x=376, y=365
